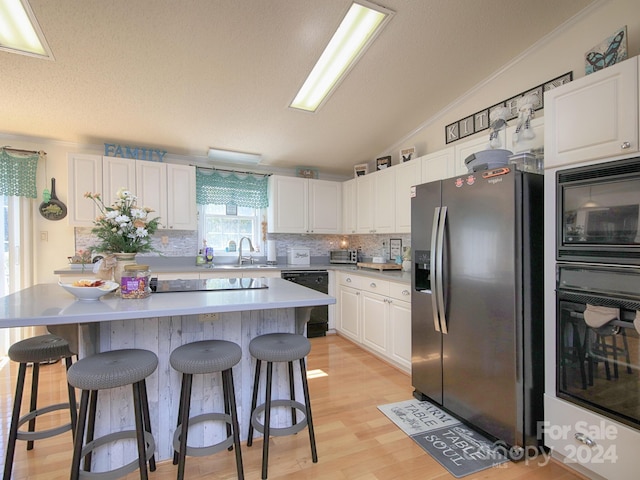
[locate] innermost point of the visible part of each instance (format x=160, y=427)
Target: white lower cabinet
x=583, y=440
x=376, y=314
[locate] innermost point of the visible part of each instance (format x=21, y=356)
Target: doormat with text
x=450, y=442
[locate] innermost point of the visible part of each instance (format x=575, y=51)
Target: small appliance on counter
x=298, y=256
x=343, y=256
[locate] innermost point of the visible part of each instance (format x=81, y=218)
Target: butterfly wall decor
x=607, y=53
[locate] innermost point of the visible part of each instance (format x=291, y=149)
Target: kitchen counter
x=49, y=304
x=158, y=267
x=161, y=323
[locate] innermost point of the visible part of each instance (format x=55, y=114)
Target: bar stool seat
x=280, y=347
x=36, y=350
x=107, y=370
x=197, y=358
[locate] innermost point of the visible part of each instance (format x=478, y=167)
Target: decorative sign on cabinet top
x=480, y=121
x=138, y=153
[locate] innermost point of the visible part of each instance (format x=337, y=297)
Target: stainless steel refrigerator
x=477, y=301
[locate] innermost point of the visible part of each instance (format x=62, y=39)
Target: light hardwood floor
x=354, y=440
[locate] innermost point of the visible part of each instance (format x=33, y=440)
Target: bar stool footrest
x=208, y=450
x=281, y=431
x=125, y=469
x=39, y=435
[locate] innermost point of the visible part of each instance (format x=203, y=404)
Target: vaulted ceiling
x=186, y=75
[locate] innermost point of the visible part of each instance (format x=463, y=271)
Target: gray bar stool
x=280, y=347
x=197, y=358
x=36, y=350
x=102, y=371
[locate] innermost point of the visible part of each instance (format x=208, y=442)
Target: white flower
x=122, y=219
x=138, y=213
x=141, y=232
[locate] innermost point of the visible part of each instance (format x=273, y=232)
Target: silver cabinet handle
x=372, y=285
x=405, y=292
x=348, y=280
x=625, y=145
x=581, y=437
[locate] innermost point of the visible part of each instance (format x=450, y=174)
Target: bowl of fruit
x=89, y=289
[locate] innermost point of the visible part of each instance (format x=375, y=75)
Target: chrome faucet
x=241, y=259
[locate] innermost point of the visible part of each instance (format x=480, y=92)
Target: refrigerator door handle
x=434, y=272
x=439, y=294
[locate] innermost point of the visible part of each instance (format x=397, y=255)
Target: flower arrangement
x=123, y=227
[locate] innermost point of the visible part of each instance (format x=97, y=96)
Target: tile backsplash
x=184, y=243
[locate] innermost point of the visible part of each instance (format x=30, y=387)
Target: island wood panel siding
x=161, y=336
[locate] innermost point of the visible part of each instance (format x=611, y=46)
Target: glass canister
x=135, y=281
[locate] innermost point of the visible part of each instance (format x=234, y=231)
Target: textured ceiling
x=186, y=75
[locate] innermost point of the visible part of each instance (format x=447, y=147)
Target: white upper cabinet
x=438, y=165
x=325, y=206
x=168, y=189
x=151, y=188
x=182, y=211
x=349, y=209
x=117, y=173
x=375, y=202
x=407, y=174
x=303, y=205
x=593, y=117
x=85, y=175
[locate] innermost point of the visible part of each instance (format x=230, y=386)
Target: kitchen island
x=161, y=323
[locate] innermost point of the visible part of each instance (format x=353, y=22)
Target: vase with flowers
x=123, y=230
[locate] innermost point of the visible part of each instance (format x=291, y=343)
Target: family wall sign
x=139, y=153
x=480, y=121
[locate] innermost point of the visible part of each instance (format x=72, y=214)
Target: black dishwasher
x=316, y=280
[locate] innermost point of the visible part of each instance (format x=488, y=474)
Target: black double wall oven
x=598, y=288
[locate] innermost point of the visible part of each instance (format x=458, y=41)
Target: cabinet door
x=325, y=206
x=288, y=204
x=593, y=117
x=400, y=333
x=349, y=313
x=117, y=173
x=364, y=204
x=384, y=201
x=182, y=213
x=375, y=314
x=438, y=165
x=151, y=188
x=349, y=210
x=85, y=175
x=407, y=174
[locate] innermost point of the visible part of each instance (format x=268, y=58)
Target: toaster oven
x=343, y=256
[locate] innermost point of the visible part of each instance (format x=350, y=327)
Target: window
x=219, y=226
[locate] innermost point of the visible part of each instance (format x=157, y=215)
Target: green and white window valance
x=18, y=174
x=215, y=188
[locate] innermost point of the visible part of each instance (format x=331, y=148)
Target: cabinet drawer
x=374, y=285
x=349, y=280
x=613, y=453
x=400, y=291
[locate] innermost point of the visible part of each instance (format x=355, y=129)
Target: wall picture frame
x=383, y=162
x=360, y=170
x=395, y=248
x=610, y=51
x=407, y=154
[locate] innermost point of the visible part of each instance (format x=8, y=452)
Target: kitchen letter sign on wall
x=480, y=121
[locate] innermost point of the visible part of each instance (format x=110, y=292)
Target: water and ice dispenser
x=422, y=270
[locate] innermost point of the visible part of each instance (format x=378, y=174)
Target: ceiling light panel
x=19, y=30
x=361, y=25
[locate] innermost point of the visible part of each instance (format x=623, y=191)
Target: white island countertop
x=50, y=304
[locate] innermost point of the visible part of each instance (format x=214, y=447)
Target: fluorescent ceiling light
x=19, y=30
x=234, y=157
x=360, y=26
